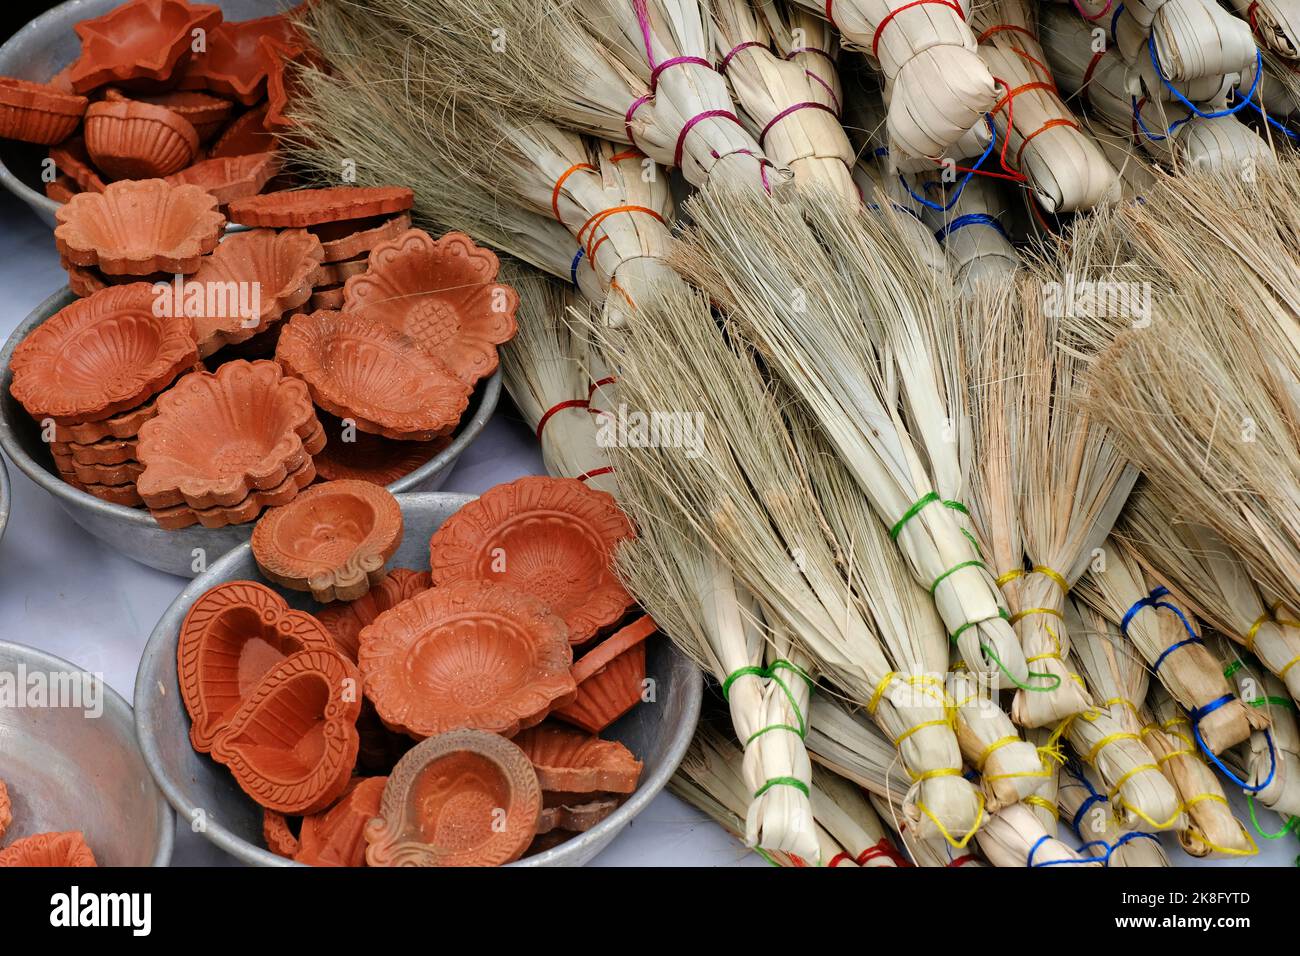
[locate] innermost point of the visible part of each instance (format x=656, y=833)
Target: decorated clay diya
x=441, y=293
x=464, y=798
x=175, y=517
x=220, y=436
x=278, y=266
x=472, y=654
x=100, y=356
x=139, y=41
x=345, y=620
x=139, y=227
x=335, y=837
x=359, y=369
x=570, y=761
x=38, y=113
x=278, y=834
x=362, y=456
x=553, y=538
x=235, y=64
x=49, y=850
x=292, y=743
x=247, y=134
x=610, y=677
x=356, y=237
x=128, y=139
x=107, y=452
x=230, y=177
x=332, y=540
x=296, y=208
x=119, y=427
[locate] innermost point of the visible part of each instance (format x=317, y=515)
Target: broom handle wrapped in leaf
x=809, y=42
x=1211, y=827
x=846, y=813
x=1273, y=754
x=1087, y=811
x=971, y=231
x=1010, y=768
x=1045, y=803
x=1015, y=837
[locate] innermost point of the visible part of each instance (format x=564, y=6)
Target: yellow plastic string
x=992, y=748
x=931, y=774
x=943, y=830
x=1254, y=629
x=1034, y=800
x=944, y=722
x=1146, y=818
x=1225, y=850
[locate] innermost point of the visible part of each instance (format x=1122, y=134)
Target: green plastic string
x=1011, y=677
x=782, y=782
x=1273, y=701
x=1002, y=613
x=1233, y=668
x=770, y=673
x=1254, y=820
x=911, y=513
x=952, y=570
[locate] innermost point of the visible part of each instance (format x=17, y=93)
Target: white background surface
x=67, y=593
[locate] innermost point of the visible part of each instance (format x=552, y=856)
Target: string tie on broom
x=1227, y=111
x=573, y=266
x=1037, y=800
x=1139, y=123
x=1290, y=825
x=883, y=848
x=1269, y=615
x=969, y=219
x=770, y=673
x=726, y=61
x=1029, y=860
x=1198, y=714
x=880, y=27
x=1096, y=16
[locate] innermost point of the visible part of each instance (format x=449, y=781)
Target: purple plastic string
x=829, y=89
x=762, y=137
x=637, y=103
x=689, y=125
x=726, y=60
x=643, y=20
x=676, y=61
x=1096, y=16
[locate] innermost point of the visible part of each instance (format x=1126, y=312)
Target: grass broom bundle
x=813, y=314
x=1010, y=769
x=1199, y=567
x=1098, y=831
x=1045, y=803
x=1170, y=642
x=1042, y=138
x=746, y=494
x=1272, y=754
x=933, y=854
x=878, y=189
x=1108, y=738
x=1276, y=24
x=1279, y=88
x=1015, y=837
x=938, y=87
x=782, y=101
x=1211, y=827
x=1185, y=40
x=846, y=813
x=809, y=42
x=972, y=233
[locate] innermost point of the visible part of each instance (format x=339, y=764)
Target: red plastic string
x=1009, y=174
x=726, y=60
x=561, y=406
x=1050, y=124
x=762, y=137
x=962, y=860
x=1038, y=63
x=839, y=858
x=1250, y=16
x=559, y=184
x=882, y=848
x=1001, y=27
x=627, y=154
x=830, y=17
x=1096, y=16
x=600, y=383
x=839, y=108
x=637, y=103
x=875, y=38
x=596, y=473
x=1087, y=75
x=600, y=217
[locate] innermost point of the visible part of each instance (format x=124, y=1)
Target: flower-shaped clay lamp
x=570, y=761
x=345, y=620
x=49, y=850
x=139, y=41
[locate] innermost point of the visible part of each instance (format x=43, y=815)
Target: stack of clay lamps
x=41, y=849
x=154, y=106
x=90, y=376
x=226, y=444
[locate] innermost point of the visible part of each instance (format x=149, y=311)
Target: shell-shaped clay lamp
x=279, y=266
x=101, y=355
x=360, y=369
x=464, y=798
x=292, y=743
x=335, y=837
x=344, y=621
x=49, y=850
x=205, y=113
x=230, y=177
x=472, y=654
x=332, y=540
x=139, y=227
x=142, y=40
x=610, y=677
x=570, y=761
x=233, y=635
x=219, y=436
x=128, y=139
x=553, y=538
x=441, y=293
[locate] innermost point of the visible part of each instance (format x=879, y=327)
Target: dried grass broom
x=1015, y=837
x=1273, y=753
x=808, y=41
x=1099, y=831
x=1276, y=24
x=1010, y=769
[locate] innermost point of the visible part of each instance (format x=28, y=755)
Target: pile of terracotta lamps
x=41, y=849
x=440, y=716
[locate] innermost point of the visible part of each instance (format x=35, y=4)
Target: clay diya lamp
x=124, y=495
x=367, y=457
x=464, y=798
x=233, y=635
x=326, y=299
x=553, y=538
x=297, y=208
x=336, y=836
x=61, y=189
x=332, y=540
x=472, y=654
x=279, y=266
x=6, y=809
x=610, y=677
x=292, y=743
x=37, y=112
x=337, y=273
x=247, y=134
x=278, y=834
x=344, y=620
x=125, y=425
x=100, y=356
x=106, y=452
x=220, y=436
x=140, y=41
x=111, y=475
x=49, y=850
x=175, y=517
x=575, y=818
x=230, y=177
x=82, y=281
x=282, y=83
x=128, y=139
x=441, y=293
x=572, y=762
x=71, y=160
x=235, y=64
x=356, y=237
x=360, y=369
x=139, y=227
x=205, y=113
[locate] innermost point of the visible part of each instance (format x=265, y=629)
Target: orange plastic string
x=559, y=184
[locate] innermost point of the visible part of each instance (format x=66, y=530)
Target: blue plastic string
x=1152, y=600
x=1200, y=713
x=1231, y=110
x=988, y=150
x=1272, y=122
x=1155, y=137
x=969, y=219
x=1039, y=842
x=573, y=267
x=1114, y=19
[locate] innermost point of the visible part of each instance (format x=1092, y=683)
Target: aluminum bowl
x=48, y=44
x=5, y=496
x=132, y=531
x=658, y=734
x=70, y=768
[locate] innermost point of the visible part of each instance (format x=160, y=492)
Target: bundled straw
x=1010, y=769
x=1211, y=827
x=1015, y=837
x=1276, y=24
x=1199, y=567
x=879, y=189
x=809, y=42
x=938, y=88
x=805, y=297
x=1098, y=830
x=845, y=812
x=1039, y=135
x=1269, y=763
x=972, y=233
x=1170, y=642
